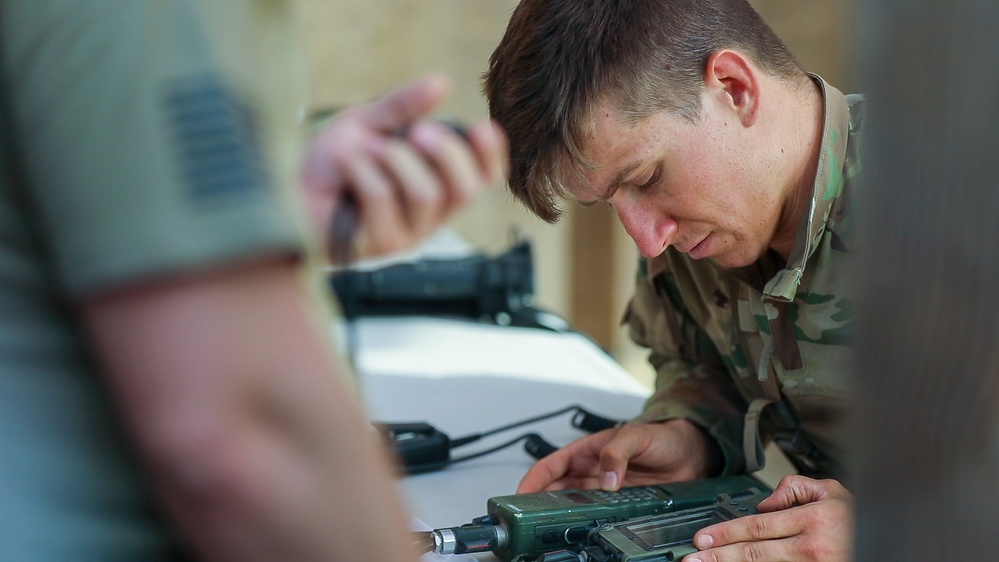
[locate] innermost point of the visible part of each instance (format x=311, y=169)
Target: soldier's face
x=700, y=187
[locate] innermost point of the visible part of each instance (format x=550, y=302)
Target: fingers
x=782, y=535
x=419, y=200
x=647, y=453
x=404, y=188
x=818, y=529
x=794, y=490
x=630, y=455
x=768, y=550
x=453, y=159
x=431, y=174
x=433, y=171
x=754, y=537
x=543, y=473
x=614, y=457
x=752, y=528
x=640, y=452
x=377, y=205
x=573, y=466
x=491, y=148
x=406, y=104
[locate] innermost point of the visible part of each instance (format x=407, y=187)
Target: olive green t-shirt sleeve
x=168, y=150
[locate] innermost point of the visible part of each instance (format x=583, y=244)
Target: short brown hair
x=559, y=58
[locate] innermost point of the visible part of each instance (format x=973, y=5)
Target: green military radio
x=527, y=527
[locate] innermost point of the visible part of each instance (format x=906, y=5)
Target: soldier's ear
x=735, y=80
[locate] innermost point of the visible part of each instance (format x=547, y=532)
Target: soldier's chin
x=733, y=260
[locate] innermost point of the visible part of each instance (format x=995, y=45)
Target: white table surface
x=463, y=378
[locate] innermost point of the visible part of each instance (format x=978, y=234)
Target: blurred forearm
x=257, y=446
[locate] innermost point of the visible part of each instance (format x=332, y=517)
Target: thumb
x=791, y=491
x=406, y=104
x=614, y=459
x=610, y=479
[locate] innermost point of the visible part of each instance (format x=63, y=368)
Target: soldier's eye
x=653, y=179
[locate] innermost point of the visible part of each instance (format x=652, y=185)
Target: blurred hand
x=634, y=454
x=804, y=519
x=404, y=186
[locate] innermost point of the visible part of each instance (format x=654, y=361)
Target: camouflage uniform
x=725, y=343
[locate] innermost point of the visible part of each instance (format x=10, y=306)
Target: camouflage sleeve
x=691, y=379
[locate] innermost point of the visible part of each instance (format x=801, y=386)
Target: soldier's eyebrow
x=615, y=183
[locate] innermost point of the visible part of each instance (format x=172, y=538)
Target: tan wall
x=361, y=48
x=584, y=264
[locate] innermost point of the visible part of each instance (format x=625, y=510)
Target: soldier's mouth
x=702, y=248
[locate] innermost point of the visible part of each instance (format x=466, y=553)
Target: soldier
x=168, y=387
x=732, y=169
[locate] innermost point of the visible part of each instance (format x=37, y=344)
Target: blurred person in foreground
x=168, y=387
x=925, y=430
x=732, y=169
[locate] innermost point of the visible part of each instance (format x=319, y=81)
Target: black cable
x=458, y=442
x=582, y=420
x=536, y=446
x=491, y=450
x=592, y=423
x=421, y=447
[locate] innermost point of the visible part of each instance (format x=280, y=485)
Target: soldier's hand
x=634, y=454
x=803, y=520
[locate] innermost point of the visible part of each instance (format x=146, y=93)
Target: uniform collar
x=827, y=187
